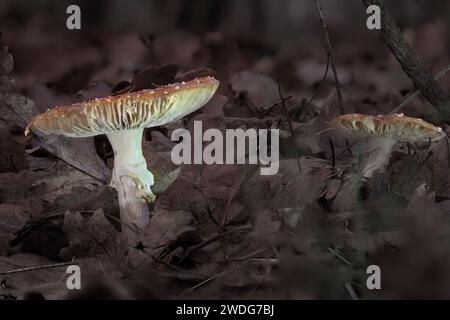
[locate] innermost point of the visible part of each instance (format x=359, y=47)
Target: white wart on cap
x=142, y=109
x=383, y=132
x=396, y=126
x=123, y=118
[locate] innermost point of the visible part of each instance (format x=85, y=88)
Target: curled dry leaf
x=261, y=91
x=93, y=236
x=165, y=227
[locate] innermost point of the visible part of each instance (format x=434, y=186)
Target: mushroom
x=383, y=131
x=123, y=119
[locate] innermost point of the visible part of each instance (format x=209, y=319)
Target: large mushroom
x=123, y=119
x=383, y=132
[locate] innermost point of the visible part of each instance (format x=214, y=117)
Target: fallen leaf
x=79, y=153
x=261, y=90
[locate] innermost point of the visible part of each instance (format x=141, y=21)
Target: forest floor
x=223, y=231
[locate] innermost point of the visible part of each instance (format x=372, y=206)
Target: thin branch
x=340, y=256
x=350, y=291
x=416, y=93
x=333, y=66
x=212, y=239
x=291, y=128
x=202, y=283
x=208, y=210
x=333, y=154
x=320, y=84
x=177, y=270
x=347, y=148
x=247, y=256
x=330, y=53
x=251, y=121
x=400, y=48
x=42, y=267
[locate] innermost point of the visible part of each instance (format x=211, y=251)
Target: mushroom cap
x=135, y=110
x=396, y=126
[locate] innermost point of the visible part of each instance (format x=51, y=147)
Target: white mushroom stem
x=380, y=151
x=130, y=177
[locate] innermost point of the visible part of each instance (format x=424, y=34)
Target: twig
x=212, y=239
x=417, y=169
x=283, y=105
x=46, y=266
x=340, y=256
x=333, y=67
x=177, y=270
x=342, y=152
x=342, y=216
x=350, y=291
x=410, y=64
x=416, y=93
x=251, y=121
x=272, y=261
x=321, y=83
x=247, y=256
x=168, y=265
x=202, y=283
x=212, y=217
x=330, y=53
x=333, y=154
x=291, y=129
x=148, y=41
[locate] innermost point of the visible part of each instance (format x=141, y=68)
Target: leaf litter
x=221, y=231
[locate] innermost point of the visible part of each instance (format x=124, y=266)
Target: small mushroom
x=383, y=132
x=123, y=119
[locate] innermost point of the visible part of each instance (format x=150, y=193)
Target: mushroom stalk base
x=380, y=149
x=130, y=177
